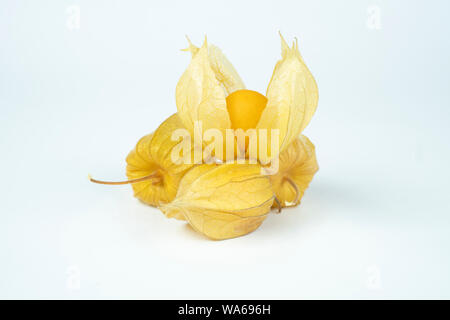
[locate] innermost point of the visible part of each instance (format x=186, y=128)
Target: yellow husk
x=222, y=201
x=292, y=99
x=152, y=154
x=200, y=97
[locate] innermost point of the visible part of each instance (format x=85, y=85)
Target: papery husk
x=292, y=100
x=224, y=71
x=152, y=156
x=200, y=96
x=222, y=201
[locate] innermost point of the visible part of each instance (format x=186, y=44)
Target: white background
x=373, y=224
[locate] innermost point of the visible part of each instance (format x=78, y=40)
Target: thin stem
x=278, y=204
x=297, y=192
x=154, y=175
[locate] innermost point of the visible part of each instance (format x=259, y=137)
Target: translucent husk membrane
x=222, y=201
